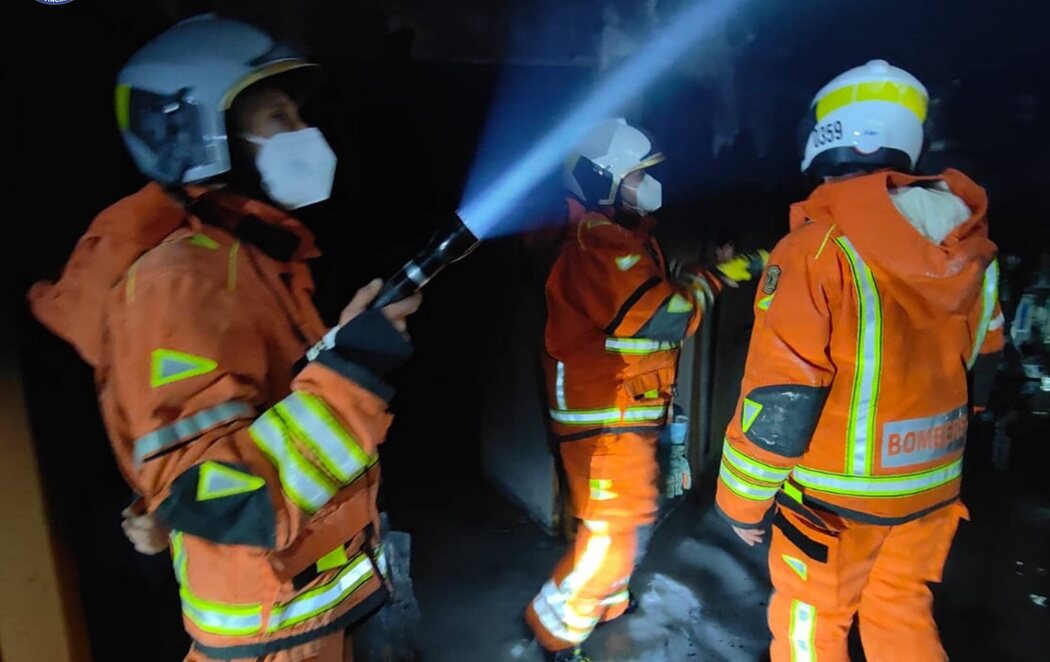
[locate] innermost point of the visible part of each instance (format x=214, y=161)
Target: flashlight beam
x=686, y=29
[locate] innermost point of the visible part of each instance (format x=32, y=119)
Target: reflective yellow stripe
x=313, y=424
x=802, y=631
x=122, y=101
x=638, y=345
x=989, y=296
x=751, y=467
x=613, y=415
x=323, y=598
x=600, y=489
x=744, y=488
x=209, y=616
x=304, y=484
x=219, y=618
x=903, y=94
x=877, y=486
x=860, y=435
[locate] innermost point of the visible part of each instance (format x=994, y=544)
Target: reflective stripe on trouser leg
x=802, y=631
x=811, y=612
x=588, y=583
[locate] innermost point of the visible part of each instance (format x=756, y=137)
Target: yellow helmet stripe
x=122, y=99
x=906, y=95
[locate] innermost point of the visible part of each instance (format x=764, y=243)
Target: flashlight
x=451, y=244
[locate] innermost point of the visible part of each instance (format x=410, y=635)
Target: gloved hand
x=145, y=533
x=679, y=476
x=743, y=267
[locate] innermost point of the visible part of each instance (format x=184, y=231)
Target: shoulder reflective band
x=613, y=415
x=877, y=486
x=902, y=94
x=753, y=468
x=802, y=631
x=213, y=617
x=745, y=488
x=304, y=484
x=638, y=345
x=190, y=427
x=616, y=598
x=989, y=295
x=310, y=422
x=860, y=435
x=323, y=598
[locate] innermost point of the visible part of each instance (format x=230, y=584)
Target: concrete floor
x=476, y=562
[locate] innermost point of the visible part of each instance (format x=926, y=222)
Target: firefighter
x=617, y=316
x=850, y=429
x=249, y=429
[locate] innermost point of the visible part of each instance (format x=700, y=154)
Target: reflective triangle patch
x=679, y=304
x=169, y=366
x=215, y=481
x=627, y=261
x=750, y=413
x=764, y=302
x=795, y=564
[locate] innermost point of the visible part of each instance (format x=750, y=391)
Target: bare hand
x=751, y=536
x=146, y=534
x=397, y=313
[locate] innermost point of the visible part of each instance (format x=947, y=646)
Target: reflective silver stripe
x=997, y=323
x=989, y=295
x=310, y=421
x=322, y=598
x=218, y=618
x=615, y=598
x=743, y=488
x=558, y=602
x=877, y=486
x=802, y=631
x=861, y=431
x=300, y=480
x=751, y=467
x=559, y=386
x=614, y=415
x=638, y=346
x=190, y=427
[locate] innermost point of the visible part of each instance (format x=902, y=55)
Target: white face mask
x=297, y=167
x=646, y=198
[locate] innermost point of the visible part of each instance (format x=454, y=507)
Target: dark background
x=407, y=98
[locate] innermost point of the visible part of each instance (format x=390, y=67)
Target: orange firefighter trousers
x=878, y=573
x=612, y=484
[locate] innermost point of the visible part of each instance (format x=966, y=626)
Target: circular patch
x=769, y=285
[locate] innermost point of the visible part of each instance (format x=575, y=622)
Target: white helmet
x=612, y=150
x=172, y=96
x=868, y=118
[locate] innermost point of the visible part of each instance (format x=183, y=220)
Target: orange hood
x=911, y=268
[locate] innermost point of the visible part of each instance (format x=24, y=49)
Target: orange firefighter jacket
x=268, y=477
x=614, y=327
x=854, y=398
